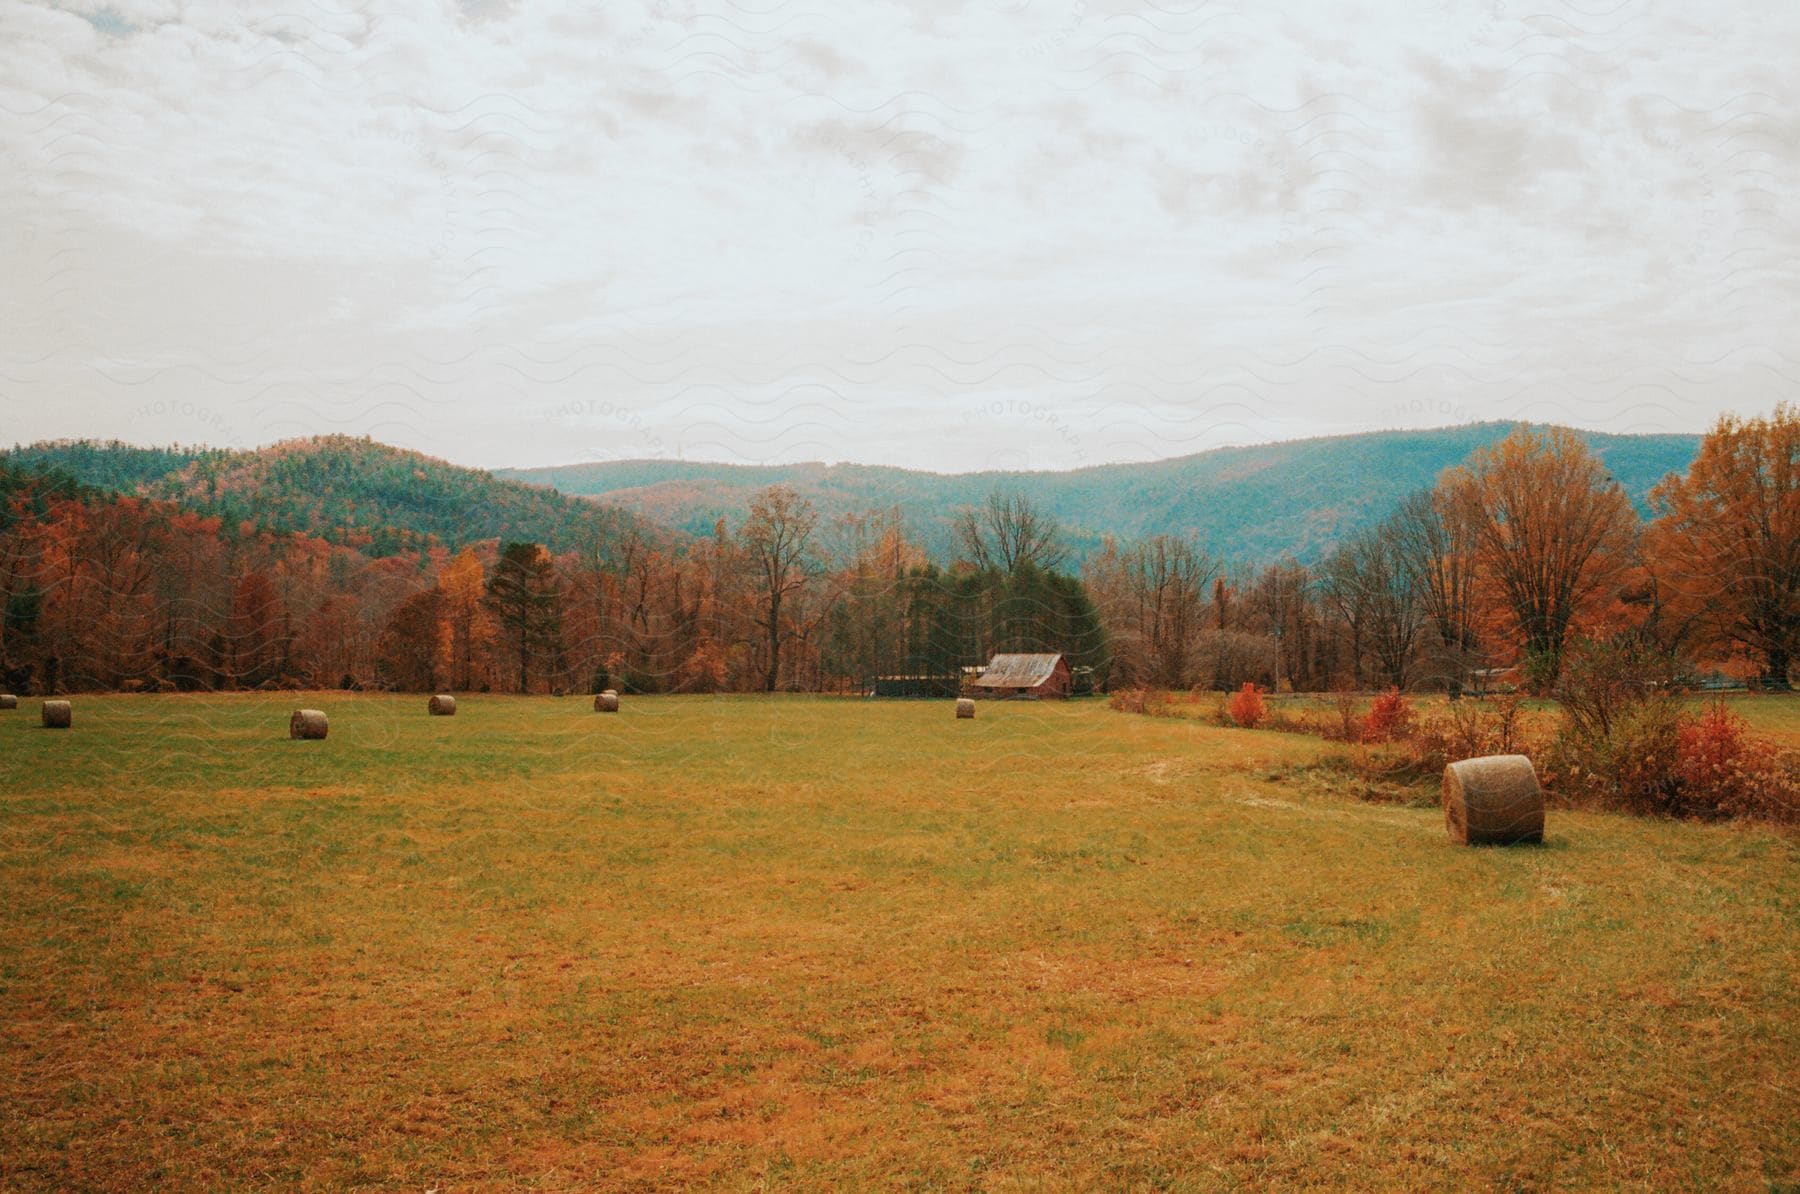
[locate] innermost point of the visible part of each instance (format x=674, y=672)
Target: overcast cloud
x=1009, y=233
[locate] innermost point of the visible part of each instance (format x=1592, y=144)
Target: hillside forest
x=344, y=563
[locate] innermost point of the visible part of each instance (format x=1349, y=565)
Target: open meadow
x=809, y=942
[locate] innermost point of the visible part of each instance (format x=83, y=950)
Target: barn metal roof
x=1017, y=671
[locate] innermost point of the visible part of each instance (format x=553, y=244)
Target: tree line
x=121, y=592
x=1525, y=548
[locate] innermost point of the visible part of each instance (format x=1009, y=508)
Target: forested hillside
x=352, y=492
x=347, y=563
x=1247, y=504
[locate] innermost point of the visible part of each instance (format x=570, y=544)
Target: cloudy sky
x=1003, y=233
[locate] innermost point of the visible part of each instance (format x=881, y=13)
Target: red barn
x=1025, y=676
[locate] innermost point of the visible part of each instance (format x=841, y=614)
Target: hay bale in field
x=58, y=715
x=442, y=705
x=607, y=702
x=307, y=723
x=8, y=701
x=1493, y=801
x=965, y=707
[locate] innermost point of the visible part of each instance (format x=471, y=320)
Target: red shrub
x=1711, y=747
x=1248, y=708
x=1724, y=770
x=1390, y=717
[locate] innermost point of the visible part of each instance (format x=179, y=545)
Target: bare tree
x=1344, y=591
x=1367, y=583
x=1436, y=548
x=1396, y=613
x=1167, y=579
x=1282, y=599
x=1007, y=531
x=776, y=540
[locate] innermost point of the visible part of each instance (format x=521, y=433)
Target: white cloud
x=528, y=233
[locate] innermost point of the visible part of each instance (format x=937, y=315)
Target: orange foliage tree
x=466, y=630
x=1725, y=546
x=1247, y=707
x=1553, y=533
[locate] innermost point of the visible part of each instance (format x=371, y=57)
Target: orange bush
x=1129, y=700
x=1390, y=717
x=1248, y=709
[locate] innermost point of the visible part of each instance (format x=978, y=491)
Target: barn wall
x=1058, y=685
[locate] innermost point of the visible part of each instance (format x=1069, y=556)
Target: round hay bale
x=442, y=705
x=965, y=707
x=58, y=715
x=307, y=723
x=1493, y=801
x=8, y=701
x=607, y=702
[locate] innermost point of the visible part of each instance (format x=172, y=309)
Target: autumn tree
x=25, y=501
x=464, y=622
x=193, y=581
x=1551, y=530
x=257, y=633
x=523, y=597
x=1726, y=542
x=410, y=651
x=776, y=540
x=866, y=623
x=117, y=568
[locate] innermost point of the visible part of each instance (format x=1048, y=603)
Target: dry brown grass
x=744, y=943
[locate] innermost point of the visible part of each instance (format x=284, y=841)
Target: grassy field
x=1776, y=717
x=802, y=942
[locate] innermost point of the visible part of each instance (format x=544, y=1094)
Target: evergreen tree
x=523, y=597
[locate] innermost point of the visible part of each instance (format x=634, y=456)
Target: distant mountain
x=356, y=492
x=1247, y=504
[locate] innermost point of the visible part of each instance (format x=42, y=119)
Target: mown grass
x=821, y=942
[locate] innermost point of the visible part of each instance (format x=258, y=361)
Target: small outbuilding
x=1035, y=676
x=1495, y=679
x=911, y=686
